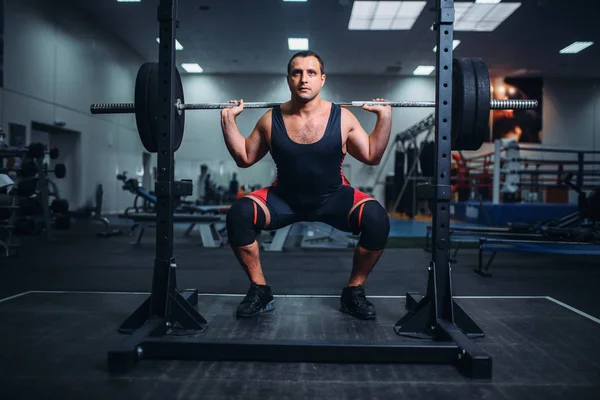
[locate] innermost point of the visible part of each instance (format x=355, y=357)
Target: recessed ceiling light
x=298, y=44
x=482, y=16
x=455, y=44
x=576, y=47
x=385, y=15
x=192, y=68
x=178, y=45
x=424, y=70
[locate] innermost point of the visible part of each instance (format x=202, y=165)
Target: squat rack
x=168, y=326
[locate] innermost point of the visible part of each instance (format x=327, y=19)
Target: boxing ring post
x=496, y=180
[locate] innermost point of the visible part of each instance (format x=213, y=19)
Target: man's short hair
x=304, y=54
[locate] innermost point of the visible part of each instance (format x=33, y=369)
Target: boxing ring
x=526, y=184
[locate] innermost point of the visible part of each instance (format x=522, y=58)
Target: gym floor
x=62, y=303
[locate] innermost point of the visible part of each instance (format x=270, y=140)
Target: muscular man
x=308, y=138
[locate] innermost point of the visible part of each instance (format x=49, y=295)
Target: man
x=234, y=186
x=308, y=138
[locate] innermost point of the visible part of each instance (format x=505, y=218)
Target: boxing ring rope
x=531, y=172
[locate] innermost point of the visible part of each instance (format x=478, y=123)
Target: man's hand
x=379, y=110
x=233, y=112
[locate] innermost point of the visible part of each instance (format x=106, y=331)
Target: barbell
x=34, y=150
x=471, y=105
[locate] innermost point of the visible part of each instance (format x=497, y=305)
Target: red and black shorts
x=334, y=210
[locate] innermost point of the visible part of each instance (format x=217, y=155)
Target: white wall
x=58, y=62
x=203, y=141
x=571, y=115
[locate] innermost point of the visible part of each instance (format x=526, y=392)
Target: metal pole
x=496, y=181
x=167, y=12
x=443, y=151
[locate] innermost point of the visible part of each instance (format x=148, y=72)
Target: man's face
x=305, y=79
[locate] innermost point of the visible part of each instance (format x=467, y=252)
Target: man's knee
x=373, y=223
x=245, y=219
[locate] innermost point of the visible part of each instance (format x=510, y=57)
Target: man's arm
x=369, y=149
x=245, y=151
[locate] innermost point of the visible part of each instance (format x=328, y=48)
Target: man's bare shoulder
x=348, y=117
x=264, y=123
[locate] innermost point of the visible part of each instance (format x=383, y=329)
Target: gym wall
x=572, y=113
x=60, y=62
x=204, y=141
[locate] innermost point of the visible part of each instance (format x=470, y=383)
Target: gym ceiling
x=251, y=37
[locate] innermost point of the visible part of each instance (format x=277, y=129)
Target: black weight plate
x=150, y=102
x=143, y=98
x=60, y=171
x=484, y=98
x=464, y=102
x=179, y=118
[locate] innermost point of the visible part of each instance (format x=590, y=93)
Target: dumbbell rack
x=34, y=153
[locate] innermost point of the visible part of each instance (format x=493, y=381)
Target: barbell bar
x=471, y=105
x=129, y=108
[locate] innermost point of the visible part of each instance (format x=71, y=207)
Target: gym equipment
x=97, y=215
x=26, y=187
x=322, y=236
x=471, y=105
x=133, y=185
x=29, y=169
x=498, y=245
x=62, y=222
x=209, y=233
x=149, y=200
x=167, y=312
x=34, y=150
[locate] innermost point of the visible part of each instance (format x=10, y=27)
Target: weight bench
x=319, y=235
x=495, y=246
x=460, y=235
x=206, y=223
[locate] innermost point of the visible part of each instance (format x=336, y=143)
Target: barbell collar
x=513, y=104
x=129, y=108
x=113, y=108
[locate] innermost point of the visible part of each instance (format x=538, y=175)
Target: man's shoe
x=355, y=303
x=259, y=299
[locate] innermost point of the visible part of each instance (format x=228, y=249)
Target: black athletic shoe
x=259, y=299
x=355, y=303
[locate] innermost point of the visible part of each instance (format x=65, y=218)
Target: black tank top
x=308, y=174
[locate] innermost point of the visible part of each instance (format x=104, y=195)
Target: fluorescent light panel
x=178, y=45
x=128, y=1
x=298, y=44
x=455, y=44
x=576, y=47
x=192, y=68
x=385, y=15
x=482, y=15
x=424, y=70
x=295, y=1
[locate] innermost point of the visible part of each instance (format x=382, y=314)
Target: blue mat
x=410, y=228
x=502, y=214
x=513, y=246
